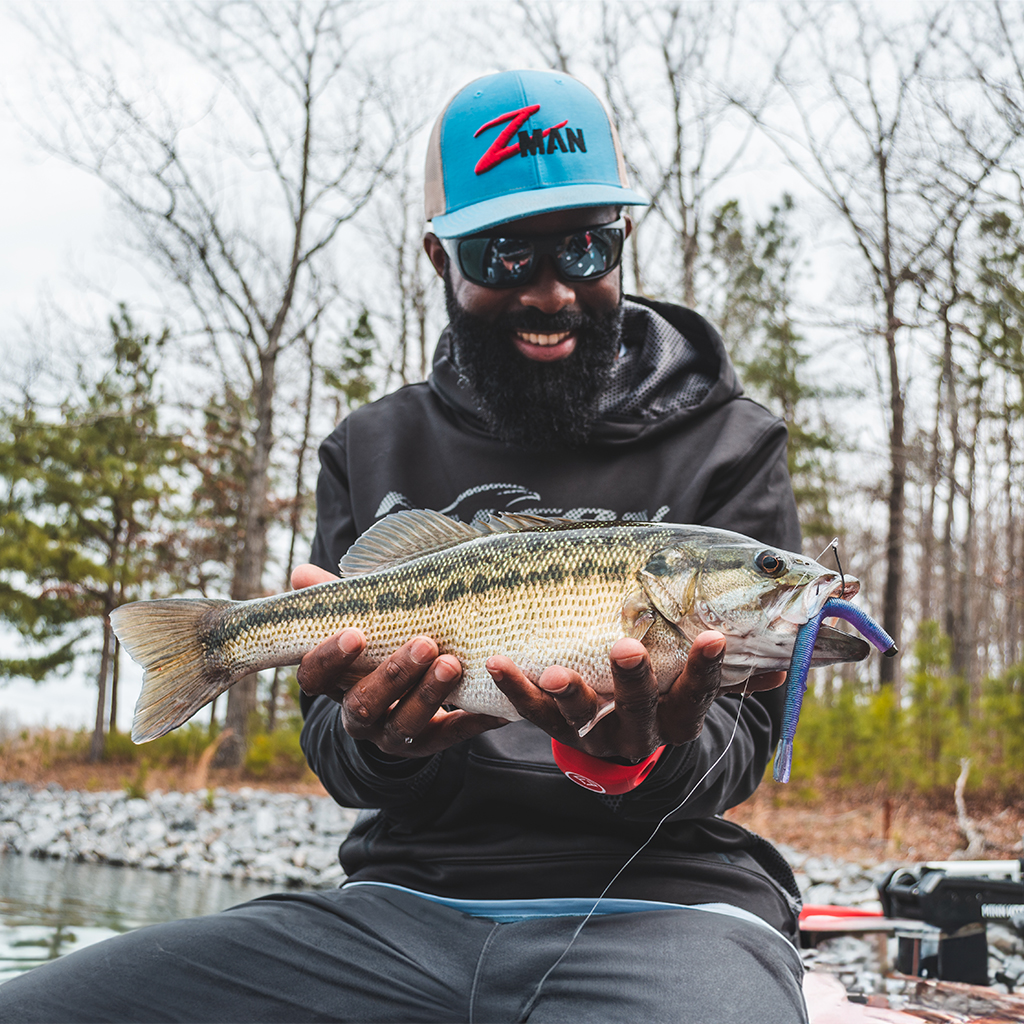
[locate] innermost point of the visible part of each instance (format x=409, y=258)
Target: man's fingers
x=636, y=699
x=533, y=703
x=320, y=669
x=308, y=575
x=448, y=728
x=415, y=711
x=703, y=671
x=576, y=701
x=371, y=698
x=636, y=689
x=695, y=689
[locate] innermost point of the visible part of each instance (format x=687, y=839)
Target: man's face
x=539, y=355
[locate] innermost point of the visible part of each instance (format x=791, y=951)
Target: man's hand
x=397, y=706
x=643, y=719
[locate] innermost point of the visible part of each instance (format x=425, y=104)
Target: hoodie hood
x=672, y=367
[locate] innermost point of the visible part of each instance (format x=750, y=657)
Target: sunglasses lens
x=590, y=253
x=496, y=262
x=510, y=262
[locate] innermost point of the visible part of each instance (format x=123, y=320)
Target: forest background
x=836, y=186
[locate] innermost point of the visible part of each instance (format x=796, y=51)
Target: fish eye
x=770, y=564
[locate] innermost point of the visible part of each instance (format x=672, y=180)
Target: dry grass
x=56, y=756
x=852, y=824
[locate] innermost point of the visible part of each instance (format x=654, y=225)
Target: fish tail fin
x=166, y=639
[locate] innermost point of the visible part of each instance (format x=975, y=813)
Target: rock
x=38, y=841
x=822, y=892
x=265, y=822
x=1013, y=968
x=329, y=818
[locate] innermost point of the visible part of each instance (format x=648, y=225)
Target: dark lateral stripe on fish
x=240, y=620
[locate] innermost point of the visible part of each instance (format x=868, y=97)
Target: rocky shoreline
x=292, y=840
x=280, y=838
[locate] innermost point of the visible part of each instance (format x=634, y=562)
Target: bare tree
x=544, y=27
x=405, y=299
x=862, y=139
x=668, y=78
x=299, y=500
x=296, y=117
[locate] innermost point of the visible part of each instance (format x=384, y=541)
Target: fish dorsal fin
x=413, y=533
x=519, y=522
x=403, y=536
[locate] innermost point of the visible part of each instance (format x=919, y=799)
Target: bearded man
x=517, y=871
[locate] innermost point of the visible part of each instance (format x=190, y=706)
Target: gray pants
x=372, y=954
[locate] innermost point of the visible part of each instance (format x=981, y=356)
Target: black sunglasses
x=496, y=261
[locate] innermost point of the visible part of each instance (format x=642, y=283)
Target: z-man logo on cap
x=529, y=142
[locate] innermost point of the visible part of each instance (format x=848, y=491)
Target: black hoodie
x=494, y=818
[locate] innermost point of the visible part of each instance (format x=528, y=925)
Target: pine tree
x=88, y=486
x=754, y=272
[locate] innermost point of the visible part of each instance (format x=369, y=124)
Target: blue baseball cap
x=518, y=143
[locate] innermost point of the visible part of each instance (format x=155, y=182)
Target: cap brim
x=517, y=205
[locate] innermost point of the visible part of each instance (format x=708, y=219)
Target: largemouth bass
x=541, y=591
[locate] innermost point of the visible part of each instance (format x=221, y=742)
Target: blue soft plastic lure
x=800, y=664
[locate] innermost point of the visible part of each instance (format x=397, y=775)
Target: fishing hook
x=833, y=546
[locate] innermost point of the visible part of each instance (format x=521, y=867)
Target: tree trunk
x=926, y=578
x=966, y=642
x=114, y=676
x=295, y=519
x=248, y=580
x=634, y=248
x=891, y=605
x=98, y=734
x=1011, y=645
x=949, y=571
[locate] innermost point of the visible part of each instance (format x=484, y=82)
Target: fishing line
x=604, y=892
x=830, y=546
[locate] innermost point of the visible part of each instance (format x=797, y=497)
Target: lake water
x=51, y=907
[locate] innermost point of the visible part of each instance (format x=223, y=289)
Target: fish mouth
x=808, y=601
x=832, y=646
x=771, y=649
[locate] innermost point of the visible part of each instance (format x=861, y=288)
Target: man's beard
x=533, y=404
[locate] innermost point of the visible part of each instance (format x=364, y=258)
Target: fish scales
x=525, y=595
x=543, y=592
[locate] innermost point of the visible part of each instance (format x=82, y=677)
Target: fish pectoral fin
x=637, y=615
x=605, y=709
x=642, y=624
